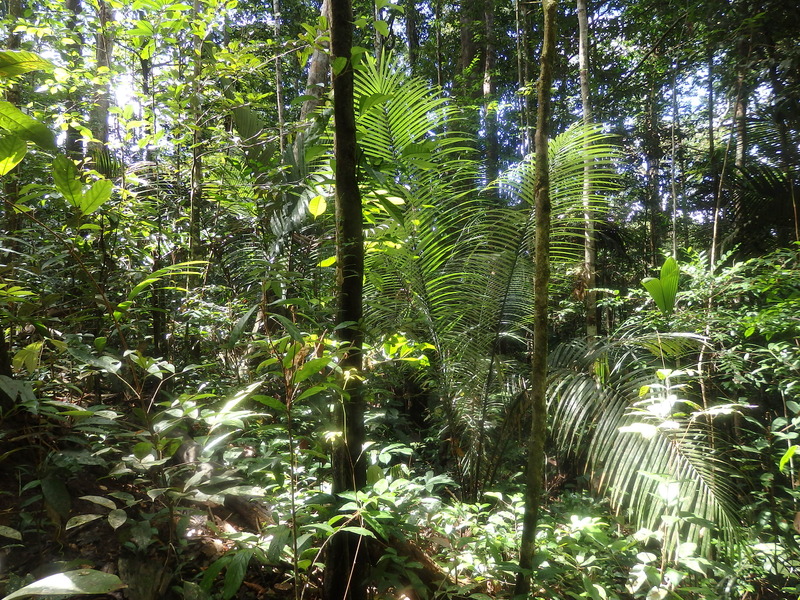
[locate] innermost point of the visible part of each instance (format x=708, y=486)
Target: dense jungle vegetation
x=412, y=299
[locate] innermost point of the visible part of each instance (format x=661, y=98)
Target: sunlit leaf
x=95, y=196
x=317, y=206
x=17, y=62
x=65, y=176
x=12, y=151
x=17, y=122
x=71, y=583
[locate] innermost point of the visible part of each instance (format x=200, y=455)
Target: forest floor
x=88, y=519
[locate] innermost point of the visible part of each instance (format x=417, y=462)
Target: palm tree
x=453, y=267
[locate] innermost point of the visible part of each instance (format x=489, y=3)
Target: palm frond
x=640, y=442
x=458, y=265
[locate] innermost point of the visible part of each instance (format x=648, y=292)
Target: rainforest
x=400, y=299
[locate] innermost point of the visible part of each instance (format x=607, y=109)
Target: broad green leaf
x=56, y=495
x=28, y=357
x=234, y=574
x=12, y=151
x=238, y=328
x=653, y=287
x=664, y=289
x=141, y=286
x=669, y=283
x=273, y=403
x=281, y=535
x=17, y=62
x=17, y=122
x=65, y=176
x=290, y=327
x=95, y=196
x=359, y=531
x=338, y=64
x=368, y=102
x=71, y=583
x=317, y=206
x=382, y=27
x=787, y=456
x=315, y=365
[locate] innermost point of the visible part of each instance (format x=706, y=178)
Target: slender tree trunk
x=11, y=218
x=521, y=81
x=276, y=10
x=380, y=40
x=536, y=458
x=589, y=247
x=318, y=67
x=412, y=34
x=196, y=183
x=72, y=143
x=489, y=100
x=673, y=175
x=712, y=157
x=653, y=155
x=439, y=77
x=345, y=569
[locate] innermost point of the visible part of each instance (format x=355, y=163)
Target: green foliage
x=169, y=386
x=663, y=289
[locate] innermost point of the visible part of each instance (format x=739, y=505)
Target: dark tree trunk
x=345, y=569
x=412, y=34
x=535, y=467
x=11, y=191
x=470, y=64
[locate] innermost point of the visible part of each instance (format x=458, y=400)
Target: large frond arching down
x=616, y=412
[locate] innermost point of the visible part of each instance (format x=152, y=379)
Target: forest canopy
x=399, y=299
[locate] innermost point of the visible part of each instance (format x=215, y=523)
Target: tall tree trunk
x=196, y=183
x=468, y=48
x=713, y=168
x=317, y=80
x=673, y=173
x=412, y=34
x=438, y=22
x=535, y=467
x=98, y=117
x=489, y=100
x=653, y=155
x=276, y=10
x=11, y=218
x=345, y=568
x=72, y=143
x=589, y=247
